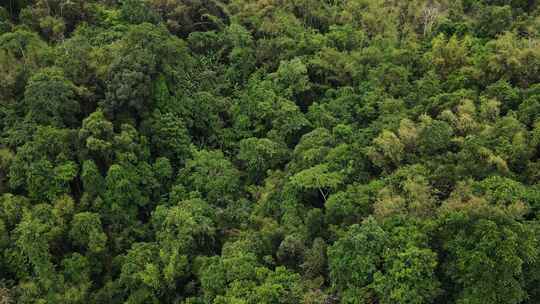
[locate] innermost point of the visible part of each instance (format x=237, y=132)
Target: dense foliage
x=270, y=151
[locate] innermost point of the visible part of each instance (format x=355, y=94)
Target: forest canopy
x=269, y=151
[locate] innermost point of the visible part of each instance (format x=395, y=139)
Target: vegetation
x=270, y=151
